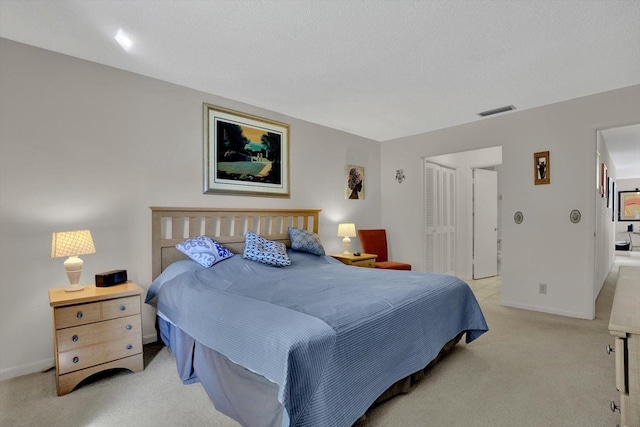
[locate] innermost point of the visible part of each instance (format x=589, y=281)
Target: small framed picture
x=354, y=188
x=541, y=168
x=604, y=174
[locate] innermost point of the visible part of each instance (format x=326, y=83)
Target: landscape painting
x=245, y=154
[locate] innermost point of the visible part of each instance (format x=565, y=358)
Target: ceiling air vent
x=496, y=111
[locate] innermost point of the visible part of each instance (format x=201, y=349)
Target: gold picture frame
x=244, y=155
x=541, y=168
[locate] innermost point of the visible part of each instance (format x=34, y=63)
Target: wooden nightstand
x=364, y=260
x=95, y=329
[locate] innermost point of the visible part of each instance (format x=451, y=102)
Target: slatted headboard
x=170, y=226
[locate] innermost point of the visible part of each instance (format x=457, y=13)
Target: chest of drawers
x=624, y=325
x=94, y=330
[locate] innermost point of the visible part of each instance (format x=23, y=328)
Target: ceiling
x=379, y=69
x=623, y=144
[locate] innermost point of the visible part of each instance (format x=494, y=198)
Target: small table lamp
x=71, y=244
x=346, y=231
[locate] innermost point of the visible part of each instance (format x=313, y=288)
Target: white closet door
x=439, y=187
x=448, y=228
x=432, y=216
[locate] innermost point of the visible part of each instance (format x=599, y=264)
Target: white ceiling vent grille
x=497, y=111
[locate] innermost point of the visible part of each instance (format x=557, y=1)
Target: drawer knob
x=614, y=407
x=610, y=350
x=79, y=315
x=129, y=346
x=128, y=327
x=123, y=307
x=76, y=359
x=75, y=338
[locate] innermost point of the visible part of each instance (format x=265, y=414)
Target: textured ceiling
x=623, y=144
x=379, y=69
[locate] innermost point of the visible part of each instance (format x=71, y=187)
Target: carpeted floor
x=530, y=369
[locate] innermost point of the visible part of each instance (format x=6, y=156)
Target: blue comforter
x=332, y=337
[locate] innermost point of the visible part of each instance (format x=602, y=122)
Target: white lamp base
x=346, y=243
x=73, y=266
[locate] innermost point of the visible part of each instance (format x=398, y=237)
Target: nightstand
x=363, y=260
x=95, y=329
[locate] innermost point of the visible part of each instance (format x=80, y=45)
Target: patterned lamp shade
x=347, y=230
x=72, y=243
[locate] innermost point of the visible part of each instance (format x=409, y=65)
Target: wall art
x=541, y=168
x=244, y=154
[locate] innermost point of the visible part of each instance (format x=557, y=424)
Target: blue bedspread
x=332, y=337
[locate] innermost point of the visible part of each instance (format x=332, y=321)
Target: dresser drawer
x=76, y=315
x=120, y=307
x=621, y=368
x=98, y=353
x=80, y=336
x=369, y=263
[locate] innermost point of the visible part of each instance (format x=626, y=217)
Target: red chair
x=375, y=242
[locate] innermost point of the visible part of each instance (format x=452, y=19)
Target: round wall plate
x=518, y=217
x=575, y=216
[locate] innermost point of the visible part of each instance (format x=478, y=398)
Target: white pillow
x=204, y=250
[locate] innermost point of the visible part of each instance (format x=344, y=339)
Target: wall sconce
x=400, y=176
x=71, y=244
x=346, y=231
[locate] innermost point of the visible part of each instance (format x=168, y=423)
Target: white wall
x=605, y=227
x=546, y=247
x=88, y=146
x=464, y=163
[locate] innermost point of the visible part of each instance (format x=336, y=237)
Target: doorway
x=464, y=163
x=485, y=223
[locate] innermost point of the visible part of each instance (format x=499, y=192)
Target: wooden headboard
x=170, y=226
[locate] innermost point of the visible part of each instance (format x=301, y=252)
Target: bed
x=313, y=343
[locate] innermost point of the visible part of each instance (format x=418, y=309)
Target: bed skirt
x=246, y=396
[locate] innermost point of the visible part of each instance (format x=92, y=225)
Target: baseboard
x=547, y=310
x=29, y=368
x=148, y=339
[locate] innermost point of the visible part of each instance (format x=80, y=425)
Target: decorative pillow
x=204, y=250
x=305, y=241
x=259, y=249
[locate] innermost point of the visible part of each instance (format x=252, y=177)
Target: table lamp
x=71, y=244
x=346, y=231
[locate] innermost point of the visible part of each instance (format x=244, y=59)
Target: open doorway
x=619, y=150
x=464, y=163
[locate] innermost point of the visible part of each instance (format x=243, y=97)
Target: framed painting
x=354, y=186
x=541, y=168
x=603, y=180
x=613, y=201
x=629, y=205
x=244, y=155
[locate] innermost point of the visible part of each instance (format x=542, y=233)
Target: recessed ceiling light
x=124, y=40
x=497, y=111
